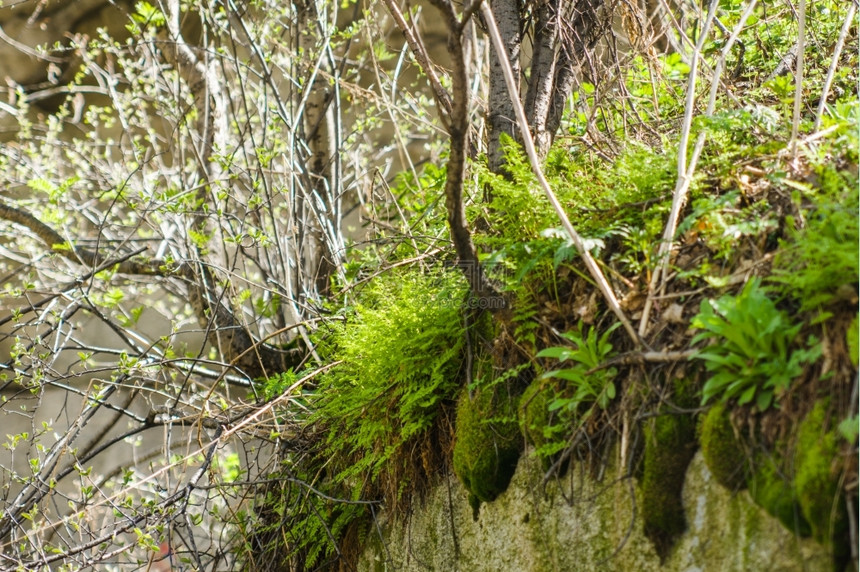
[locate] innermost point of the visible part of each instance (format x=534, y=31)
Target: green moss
x=534, y=414
x=772, y=491
x=487, y=445
x=802, y=490
x=815, y=483
x=670, y=443
x=536, y=420
x=723, y=453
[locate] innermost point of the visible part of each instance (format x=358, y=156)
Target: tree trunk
x=500, y=109
x=319, y=201
x=579, y=34
x=541, y=82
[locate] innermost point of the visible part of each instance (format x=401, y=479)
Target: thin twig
x=420, y=53
x=682, y=184
x=834, y=62
x=798, y=76
x=643, y=357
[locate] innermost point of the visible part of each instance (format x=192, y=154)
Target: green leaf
x=560, y=354
x=849, y=428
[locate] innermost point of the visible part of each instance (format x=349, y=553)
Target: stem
x=831, y=71
x=682, y=185
x=798, y=78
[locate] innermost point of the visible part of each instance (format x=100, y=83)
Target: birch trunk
x=500, y=109
x=318, y=212
x=541, y=82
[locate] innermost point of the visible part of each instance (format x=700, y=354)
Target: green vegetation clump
x=750, y=355
x=293, y=526
x=574, y=393
x=771, y=489
x=820, y=262
x=488, y=443
x=721, y=449
x=816, y=481
x=536, y=421
x=398, y=356
x=670, y=443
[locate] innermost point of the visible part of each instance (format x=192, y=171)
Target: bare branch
x=798, y=75
x=458, y=129
x=685, y=172
x=55, y=242
x=581, y=30
x=240, y=349
x=443, y=99
x=834, y=63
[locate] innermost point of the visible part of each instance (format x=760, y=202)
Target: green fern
x=400, y=351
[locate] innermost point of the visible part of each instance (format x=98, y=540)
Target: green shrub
x=750, y=358
x=820, y=262
x=586, y=354
x=568, y=395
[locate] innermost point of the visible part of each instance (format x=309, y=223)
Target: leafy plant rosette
x=750, y=356
x=588, y=384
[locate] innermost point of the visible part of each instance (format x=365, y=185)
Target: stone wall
x=527, y=530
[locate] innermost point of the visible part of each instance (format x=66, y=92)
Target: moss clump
x=534, y=412
x=816, y=484
x=670, y=442
x=538, y=423
x=772, y=491
x=487, y=443
x=722, y=451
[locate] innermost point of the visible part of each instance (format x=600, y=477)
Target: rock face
x=527, y=530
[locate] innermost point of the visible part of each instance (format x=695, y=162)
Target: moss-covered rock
x=536, y=421
x=721, y=449
x=670, y=443
x=772, y=490
x=529, y=532
x=816, y=483
x=487, y=444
